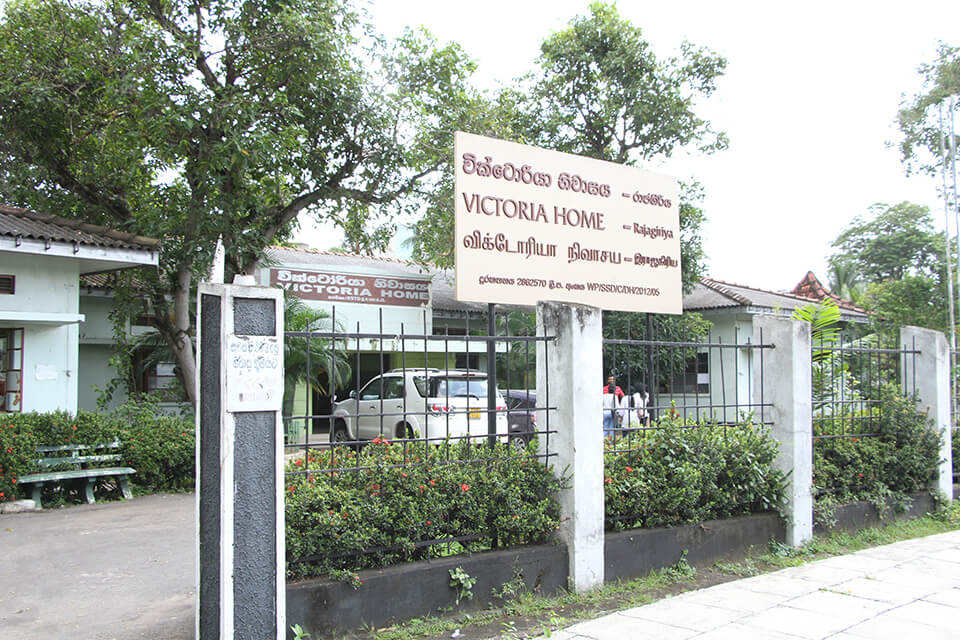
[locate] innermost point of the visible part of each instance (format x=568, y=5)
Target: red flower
x=629, y=469
x=465, y=487
x=608, y=481
x=859, y=475
x=404, y=475
x=344, y=514
x=298, y=462
x=428, y=522
x=853, y=439
x=432, y=483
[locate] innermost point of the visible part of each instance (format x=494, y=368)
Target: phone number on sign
x=571, y=286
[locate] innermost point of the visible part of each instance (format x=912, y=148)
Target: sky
x=808, y=101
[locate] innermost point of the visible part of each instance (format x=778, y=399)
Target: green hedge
x=160, y=448
x=901, y=458
x=400, y=494
x=690, y=473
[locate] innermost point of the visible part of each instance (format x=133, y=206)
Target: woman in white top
x=633, y=408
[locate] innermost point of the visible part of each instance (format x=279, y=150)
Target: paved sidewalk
x=901, y=591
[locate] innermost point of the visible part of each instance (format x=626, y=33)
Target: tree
x=894, y=242
x=900, y=259
x=923, y=120
x=187, y=120
x=844, y=281
x=599, y=92
x=310, y=359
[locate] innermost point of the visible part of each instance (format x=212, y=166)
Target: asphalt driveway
x=112, y=570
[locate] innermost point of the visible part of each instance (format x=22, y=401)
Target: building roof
x=710, y=294
x=811, y=287
x=21, y=223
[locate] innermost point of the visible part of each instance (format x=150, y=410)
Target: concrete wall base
x=634, y=553
x=417, y=589
x=861, y=515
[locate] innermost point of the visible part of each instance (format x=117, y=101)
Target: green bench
x=71, y=462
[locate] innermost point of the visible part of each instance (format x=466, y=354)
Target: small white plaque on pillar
x=254, y=373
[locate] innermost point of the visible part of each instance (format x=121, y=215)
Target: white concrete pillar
x=928, y=372
x=783, y=376
x=572, y=364
x=241, y=588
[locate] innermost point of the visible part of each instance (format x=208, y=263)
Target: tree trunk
x=182, y=343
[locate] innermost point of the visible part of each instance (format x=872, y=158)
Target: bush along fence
x=730, y=429
x=159, y=447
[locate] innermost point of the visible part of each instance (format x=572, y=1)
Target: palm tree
x=845, y=281
x=324, y=365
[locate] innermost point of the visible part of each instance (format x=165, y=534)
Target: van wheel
x=404, y=432
x=339, y=433
x=518, y=442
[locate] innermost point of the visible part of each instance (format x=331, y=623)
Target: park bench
x=71, y=462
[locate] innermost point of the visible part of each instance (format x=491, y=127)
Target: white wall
x=43, y=284
x=46, y=285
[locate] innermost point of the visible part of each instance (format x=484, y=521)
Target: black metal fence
x=377, y=408
x=847, y=381
x=710, y=382
x=955, y=412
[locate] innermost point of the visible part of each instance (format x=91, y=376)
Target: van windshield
x=451, y=387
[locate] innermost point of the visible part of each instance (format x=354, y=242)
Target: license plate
x=476, y=415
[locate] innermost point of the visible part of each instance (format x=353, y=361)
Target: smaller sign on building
x=254, y=373
x=359, y=289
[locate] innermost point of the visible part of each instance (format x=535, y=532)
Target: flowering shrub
x=902, y=457
x=393, y=497
x=159, y=447
x=689, y=473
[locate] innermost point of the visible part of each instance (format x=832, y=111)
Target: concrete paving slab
x=824, y=575
x=730, y=596
x=888, y=628
x=778, y=583
x=805, y=624
x=931, y=614
x=686, y=614
x=885, y=592
x=617, y=625
x=845, y=609
x=905, y=575
x=950, y=598
x=737, y=631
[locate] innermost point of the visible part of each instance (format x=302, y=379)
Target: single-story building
x=42, y=328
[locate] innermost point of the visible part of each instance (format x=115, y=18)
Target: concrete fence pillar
x=570, y=377
x=241, y=589
x=928, y=373
x=783, y=376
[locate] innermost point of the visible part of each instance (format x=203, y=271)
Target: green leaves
x=393, y=495
x=925, y=119
x=690, y=473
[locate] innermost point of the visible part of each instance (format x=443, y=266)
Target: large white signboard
x=533, y=224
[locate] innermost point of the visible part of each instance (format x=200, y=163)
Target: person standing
x=633, y=407
x=612, y=394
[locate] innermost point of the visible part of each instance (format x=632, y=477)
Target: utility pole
x=946, y=214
